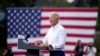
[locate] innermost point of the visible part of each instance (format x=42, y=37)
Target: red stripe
x=67, y=43
x=44, y=52
x=15, y=44
x=73, y=43
x=70, y=9
x=73, y=18
x=70, y=26
x=76, y=35
x=12, y=44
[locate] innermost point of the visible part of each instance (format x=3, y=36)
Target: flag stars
x=38, y=17
x=26, y=23
x=23, y=21
x=23, y=26
x=35, y=14
x=33, y=11
x=8, y=30
x=31, y=29
x=22, y=32
x=12, y=14
x=26, y=17
x=27, y=11
x=29, y=20
x=29, y=14
x=19, y=29
x=34, y=26
x=16, y=33
x=8, y=24
x=17, y=20
x=14, y=23
x=14, y=17
x=14, y=29
x=32, y=17
x=20, y=23
x=8, y=17
x=9, y=11
x=32, y=23
x=15, y=11
x=17, y=26
x=23, y=14
x=34, y=32
x=25, y=29
x=28, y=26
x=37, y=35
x=11, y=33
x=20, y=17
x=12, y=20
x=28, y=32
x=37, y=29
x=39, y=11
x=11, y=27
x=17, y=14
x=35, y=20
x=21, y=11
x=14, y=36
x=38, y=23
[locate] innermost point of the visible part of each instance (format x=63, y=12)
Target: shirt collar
x=56, y=26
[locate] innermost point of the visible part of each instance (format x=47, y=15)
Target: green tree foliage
x=98, y=20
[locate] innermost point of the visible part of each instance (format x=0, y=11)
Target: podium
x=31, y=49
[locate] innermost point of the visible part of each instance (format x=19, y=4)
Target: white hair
x=57, y=15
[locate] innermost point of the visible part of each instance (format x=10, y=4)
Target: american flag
x=23, y=21
x=79, y=23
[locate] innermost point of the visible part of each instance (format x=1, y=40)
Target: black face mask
x=90, y=45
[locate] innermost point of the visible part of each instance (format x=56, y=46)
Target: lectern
x=31, y=49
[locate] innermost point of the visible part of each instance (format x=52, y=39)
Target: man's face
x=90, y=44
x=79, y=42
x=53, y=19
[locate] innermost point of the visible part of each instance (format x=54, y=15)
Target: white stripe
x=15, y=49
x=72, y=14
x=15, y=40
x=70, y=47
x=68, y=39
x=48, y=55
x=20, y=55
x=44, y=55
x=72, y=31
x=25, y=55
x=75, y=39
x=72, y=22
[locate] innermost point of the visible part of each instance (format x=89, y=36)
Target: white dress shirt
x=91, y=52
x=56, y=36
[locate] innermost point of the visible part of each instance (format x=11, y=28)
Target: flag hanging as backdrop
x=79, y=23
x=23, y=21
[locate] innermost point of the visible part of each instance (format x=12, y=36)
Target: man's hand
x=5, y=52
x=38, y=42
x=45, y=45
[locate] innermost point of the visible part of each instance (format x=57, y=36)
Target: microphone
x=27, y=36
x=26, y=39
